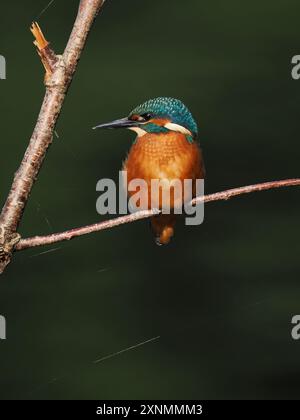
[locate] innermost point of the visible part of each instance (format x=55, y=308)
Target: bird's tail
x=163, y=228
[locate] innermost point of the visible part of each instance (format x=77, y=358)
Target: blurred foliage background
x=222, y=295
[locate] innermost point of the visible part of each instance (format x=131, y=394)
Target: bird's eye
x=141, y=118
x=146, y=116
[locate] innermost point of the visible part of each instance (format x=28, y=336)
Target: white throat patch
x=139, y=131
x=179, y=128
x=170, y=126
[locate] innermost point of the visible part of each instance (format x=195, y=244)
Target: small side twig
x=108, y=224
x=48, y=57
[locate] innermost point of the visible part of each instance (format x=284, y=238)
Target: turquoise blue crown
x=169, y=108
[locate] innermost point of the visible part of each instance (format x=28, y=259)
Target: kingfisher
x=165, y=148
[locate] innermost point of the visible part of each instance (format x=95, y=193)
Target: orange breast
x=165, y=156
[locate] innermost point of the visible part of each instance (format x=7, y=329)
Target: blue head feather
x=169, y=108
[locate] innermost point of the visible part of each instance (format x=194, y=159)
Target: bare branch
x=73, y=233
x=225, y=195
x=59, y=73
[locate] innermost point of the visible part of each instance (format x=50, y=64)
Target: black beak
x=122, y=123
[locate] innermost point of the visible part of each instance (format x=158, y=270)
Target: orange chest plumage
x=164, y=156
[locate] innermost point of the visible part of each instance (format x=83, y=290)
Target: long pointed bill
x=122, y=123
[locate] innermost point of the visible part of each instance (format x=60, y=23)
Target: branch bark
x=59, y=73
x=108, y=224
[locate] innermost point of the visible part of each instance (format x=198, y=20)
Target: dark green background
x=222, y=295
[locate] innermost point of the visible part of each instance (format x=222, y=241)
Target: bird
x=165, y=148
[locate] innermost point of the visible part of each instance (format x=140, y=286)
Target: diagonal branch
x=59, y=74
x=108, y=224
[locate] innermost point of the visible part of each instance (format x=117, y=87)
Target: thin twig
x=73, y=233
x=59, y=74
x=48, y=57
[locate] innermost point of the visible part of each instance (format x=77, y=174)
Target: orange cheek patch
x=135, y=117
x=160, y=121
